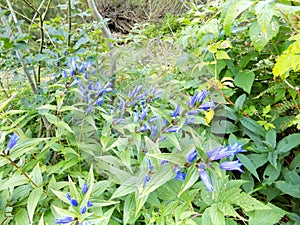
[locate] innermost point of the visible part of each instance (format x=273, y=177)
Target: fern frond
x=271, y=89
x=287, y=105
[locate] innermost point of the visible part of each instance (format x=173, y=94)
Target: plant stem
x=21, y=171
x=69, y=23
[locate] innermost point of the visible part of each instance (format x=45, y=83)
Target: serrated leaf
x=32, y=202
x=222, y=55
x=264, y=11
x=287, y=188
x=216, y=215
x=288, y=60
x=248, y=203
x=244, y=80
x=266, y=217
x=288, y=143
x=260, y=37
x=235, y=9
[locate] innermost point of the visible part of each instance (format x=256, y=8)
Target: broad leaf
x=260, y=37
x=288, y=143
x=244, y=80
x=264, y=11
x=266, y=217
x=32, y=202
x=235, y=8
x=287, y=188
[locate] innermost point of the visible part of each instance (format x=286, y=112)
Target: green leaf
x=139, y=202
x=249, y=165
x=287, y=188
x=129, y=204
x=206, y=219
x=271, y=174
x=161, y=176
x=216, y=215
x=36, y=175
x=253, y=126
x=41, y=222
x=13, y=181
x=288, y=60
x=266, y=217
x=151, y=146
x=260, y=37
x=83, y=40
x=3, y=104
x=236, y=7
x=191, y=177
x=238, y=105
x=62, y=124
x=32, y=202
x=90, y=182
x=73, y=190
x=271, y=138
x=248, y=203
x=223, y=127
x=172, y=138
x=273, y=158
x=288, y=143
x=21, y=217
x=244, y=79
x=61, y=195
x=24, y=146
x=171, y=157
x=126, y=188
x=222, y=55
x=264, y=11
x=51, y=118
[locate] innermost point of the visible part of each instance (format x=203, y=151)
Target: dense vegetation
x=192, y=120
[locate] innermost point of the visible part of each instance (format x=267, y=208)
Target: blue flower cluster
x=154, y=124
x=74, y=203
x=91, y=91
x=13, y=139
x=215, y=154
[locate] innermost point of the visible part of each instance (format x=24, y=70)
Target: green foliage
x=121, y=154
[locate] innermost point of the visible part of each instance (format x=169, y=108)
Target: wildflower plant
x=163, y=145
x=79, y=202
